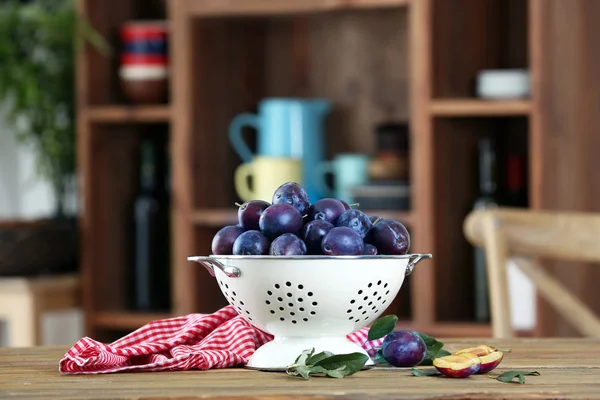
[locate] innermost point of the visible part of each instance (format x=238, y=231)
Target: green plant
x=38, y=43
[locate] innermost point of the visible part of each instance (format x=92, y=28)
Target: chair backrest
x=524, y=235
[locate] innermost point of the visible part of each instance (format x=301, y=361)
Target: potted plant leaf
x=38, y=43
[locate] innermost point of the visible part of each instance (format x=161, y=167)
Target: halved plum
x=490, y=356
x=458, y=366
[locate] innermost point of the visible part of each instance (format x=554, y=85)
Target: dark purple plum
x=251, y=243
x=222, y=243
x=342, y=241
x=403, y=348
x=345, y=204
x=313, y=234
x=249, y=213
x=389, y=236
x=327, y=209
x=287, y=244
x=357, y=220
x=293, y=194
x=369, y=250
x=278, y=219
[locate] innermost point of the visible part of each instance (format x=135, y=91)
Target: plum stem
x=354, y=205
x=377, y=220
x=238, y=204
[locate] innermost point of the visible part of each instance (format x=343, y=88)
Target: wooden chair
x=524, y=235
x=23, y=300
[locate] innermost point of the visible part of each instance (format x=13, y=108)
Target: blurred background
x=130, y=129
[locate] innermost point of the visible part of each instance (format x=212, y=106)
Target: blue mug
x=287, y=127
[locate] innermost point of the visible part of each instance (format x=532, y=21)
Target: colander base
x=282, y=352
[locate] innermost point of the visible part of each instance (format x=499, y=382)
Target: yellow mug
x=267, y=174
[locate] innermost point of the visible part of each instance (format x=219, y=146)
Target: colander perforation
x=367, y=300
x=238, y=305
x=285, y=301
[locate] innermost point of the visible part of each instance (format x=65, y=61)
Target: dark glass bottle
x=487, y=198
x=516, y=189
x=151, y=283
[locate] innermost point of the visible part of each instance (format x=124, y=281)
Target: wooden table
x=569, y=368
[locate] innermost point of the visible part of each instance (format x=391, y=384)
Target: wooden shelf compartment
x=283, y=7
x=127, y=114
x=479, y=107
x=219, y=217
x=493, y=31
x=127, y=320
x=456, y=185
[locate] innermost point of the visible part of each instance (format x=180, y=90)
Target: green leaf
x=424, y=372
x=352, y=361
x=429, y=340
x=318, y=357
x=379, y=358
x=327, y=363
x=336, y=373
x=434, y=349
x=382, y=327
x=443, y=353
x=509, y=376
x=304, y=371
x=301, y=359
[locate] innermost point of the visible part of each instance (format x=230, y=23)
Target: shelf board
x=275, y=7
x=127, y=320
x=128, y=114
x=219, y=217
x=479, y=108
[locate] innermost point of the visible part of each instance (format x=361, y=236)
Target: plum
x=327, y=209
x=490, y=357
x=251, y=243
x=342, y=241
x=369, y=250
x=293, y=194
x=222, y=243
x=249, y=213
x=278, y=219
x=313, y=233
x=458, y=366
x=403, y=348
x=287, y=244
x=345, y=204
x=389, y=236
x=357, y=220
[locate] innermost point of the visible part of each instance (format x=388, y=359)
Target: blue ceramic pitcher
x=287, y=127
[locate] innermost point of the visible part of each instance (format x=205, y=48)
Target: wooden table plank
x=569, y=368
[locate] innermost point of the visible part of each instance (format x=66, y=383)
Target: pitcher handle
x=324, y=168
x=414, y=260
x=235, y=134
x=210, y=264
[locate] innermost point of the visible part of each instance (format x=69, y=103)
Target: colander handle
x=413, y=260
x=210, y=264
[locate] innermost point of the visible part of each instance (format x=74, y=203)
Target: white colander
x=308, y=301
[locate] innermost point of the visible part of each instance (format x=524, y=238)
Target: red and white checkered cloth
x=195, y=341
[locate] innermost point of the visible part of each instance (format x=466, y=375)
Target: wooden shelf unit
x=379, y=61
x=127, y=114
x=478, y=107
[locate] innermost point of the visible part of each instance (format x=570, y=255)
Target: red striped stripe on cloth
x=195, y=341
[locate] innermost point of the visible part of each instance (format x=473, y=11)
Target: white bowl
x=308, y=301
x=503, y=84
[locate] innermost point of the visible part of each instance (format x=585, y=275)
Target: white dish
x=308, y=301
x=503, y=84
